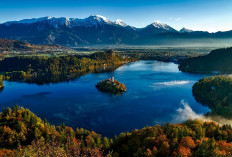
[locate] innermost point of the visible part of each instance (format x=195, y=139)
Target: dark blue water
x=157, y=93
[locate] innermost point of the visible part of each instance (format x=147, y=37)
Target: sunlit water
x=156, y=92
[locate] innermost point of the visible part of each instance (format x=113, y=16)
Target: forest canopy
x=43, y=69
x=215, y=92
x=217, y=61
x=22, y=133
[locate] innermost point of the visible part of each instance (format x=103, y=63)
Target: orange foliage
x=7, y=152
x=148, y=152
x=225, y=147
x=182, y=151
x=188, y=142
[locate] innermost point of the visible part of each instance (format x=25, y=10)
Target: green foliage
x=1, y=82
x=215, y=92
x=16, y=75
x=217, y=61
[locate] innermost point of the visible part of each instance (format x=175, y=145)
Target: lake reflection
x=157, y=92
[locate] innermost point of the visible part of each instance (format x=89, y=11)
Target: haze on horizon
x=207, y=15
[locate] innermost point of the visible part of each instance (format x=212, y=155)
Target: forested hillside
x=215, y=92
x=44, y=69
x=217, y=61
x=192, y=138
x=22, y=133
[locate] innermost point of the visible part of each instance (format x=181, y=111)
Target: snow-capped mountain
x=120, y=22
x=156, y=28
x=185, y=30
x=69, y=22
x=159, y=25
x=97, y=29
x=90, y=21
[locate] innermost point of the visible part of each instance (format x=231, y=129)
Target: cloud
x=185, y=112
x=160, y=85
x=174, y=83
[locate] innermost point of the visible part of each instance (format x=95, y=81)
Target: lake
x=157, y=92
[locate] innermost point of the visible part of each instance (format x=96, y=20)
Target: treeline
x=22, y=133
x=215, y=92
x=41, y=68
x=217, y=61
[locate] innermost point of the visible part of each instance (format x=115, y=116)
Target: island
x=111, y=86
x=216, y=93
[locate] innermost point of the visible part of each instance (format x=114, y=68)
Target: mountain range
x=98, y=30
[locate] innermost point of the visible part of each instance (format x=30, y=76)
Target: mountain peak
x=99, y=18
x=102, y=17
x=185, y=30
x=120, y=22
x=159, y=24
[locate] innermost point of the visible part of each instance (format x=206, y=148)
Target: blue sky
x=208, y=15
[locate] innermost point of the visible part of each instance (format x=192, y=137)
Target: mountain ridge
x=156, y=24
x=68, y=21
x=98, y=30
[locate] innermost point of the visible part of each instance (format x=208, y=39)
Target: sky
x=205, y=15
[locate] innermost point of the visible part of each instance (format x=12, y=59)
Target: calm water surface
x=157, y=93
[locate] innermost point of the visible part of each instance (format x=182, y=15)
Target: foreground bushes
x=28, y=135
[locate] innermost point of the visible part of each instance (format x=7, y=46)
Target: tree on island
x=111, y=86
